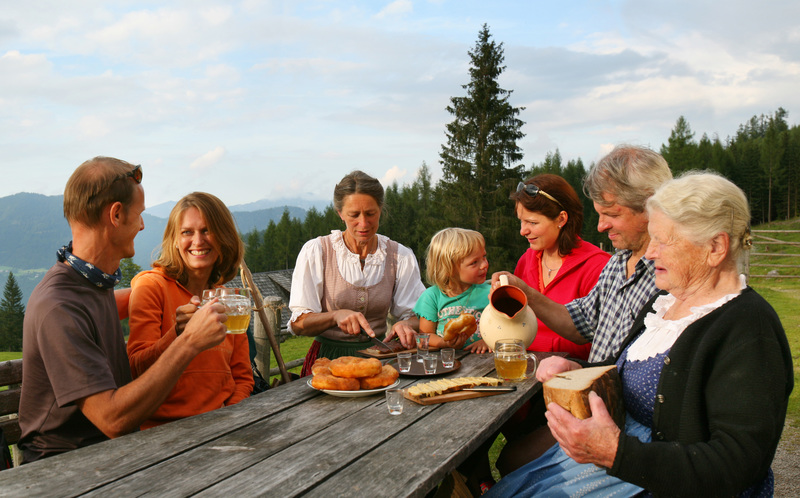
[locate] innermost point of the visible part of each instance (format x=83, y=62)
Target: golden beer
x=510, y=366
x=238, y=308
x=237, y=324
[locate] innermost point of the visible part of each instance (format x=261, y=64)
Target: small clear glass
x=429, y=363
x=422, y=346
x=404, y=362
x=448, y=357
x=394, y=401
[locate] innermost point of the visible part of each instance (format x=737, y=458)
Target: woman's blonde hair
x=220, y=224
x=704, y=204
x=447, y=249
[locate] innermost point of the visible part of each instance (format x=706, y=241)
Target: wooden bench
x=11, y=376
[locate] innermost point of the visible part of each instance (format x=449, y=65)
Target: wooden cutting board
x=454, y=396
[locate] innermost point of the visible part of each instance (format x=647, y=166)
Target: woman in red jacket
x=558, y=263
x=201, y=249
x=563, y=267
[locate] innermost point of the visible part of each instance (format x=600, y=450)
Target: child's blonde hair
x=447, y=249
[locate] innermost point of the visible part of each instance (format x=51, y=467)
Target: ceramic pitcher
x=508, y=316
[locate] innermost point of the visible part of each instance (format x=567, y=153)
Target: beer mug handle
x=532, y=356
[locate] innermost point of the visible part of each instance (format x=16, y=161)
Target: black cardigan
x=720, y=404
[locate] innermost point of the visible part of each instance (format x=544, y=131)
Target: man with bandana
x=76, y=380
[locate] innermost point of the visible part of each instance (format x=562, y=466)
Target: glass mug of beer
x=510, y=359
x=238, y=307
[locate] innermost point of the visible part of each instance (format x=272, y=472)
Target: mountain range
x=32, y=228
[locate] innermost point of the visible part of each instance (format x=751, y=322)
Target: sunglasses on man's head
x=533, y=191
x=135, y=173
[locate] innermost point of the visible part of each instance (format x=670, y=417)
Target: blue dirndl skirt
x=555, y=474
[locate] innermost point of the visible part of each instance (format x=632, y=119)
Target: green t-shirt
x=435, y=306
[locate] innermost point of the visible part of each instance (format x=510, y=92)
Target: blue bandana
x=88, y=270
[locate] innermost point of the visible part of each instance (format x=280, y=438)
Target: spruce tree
x=12, y=314
x=129, y=270
x=480, y=161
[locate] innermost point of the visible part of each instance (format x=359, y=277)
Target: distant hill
x=162, y=210
x=32, y=228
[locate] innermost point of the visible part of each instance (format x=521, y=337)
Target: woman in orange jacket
x=201, y=249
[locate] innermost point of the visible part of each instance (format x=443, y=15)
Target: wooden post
x=273, y=311
x=247, y=280
x=746, y=265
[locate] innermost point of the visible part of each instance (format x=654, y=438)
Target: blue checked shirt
x=605, y=315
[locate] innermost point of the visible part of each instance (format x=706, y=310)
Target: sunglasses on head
x=533, y=191
x=135, y=173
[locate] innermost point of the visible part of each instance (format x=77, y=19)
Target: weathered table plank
x=289, y=441
x=87, y=468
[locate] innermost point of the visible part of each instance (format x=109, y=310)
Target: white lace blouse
x=660, y=334
x=307, y=279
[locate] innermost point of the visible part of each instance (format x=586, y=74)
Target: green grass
x=292, y=348
x=5, y=356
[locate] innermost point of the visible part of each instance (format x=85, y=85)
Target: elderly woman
x=706, y=370
x=351, y=281
x=201, y=249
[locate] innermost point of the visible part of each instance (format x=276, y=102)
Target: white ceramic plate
x=354, y=394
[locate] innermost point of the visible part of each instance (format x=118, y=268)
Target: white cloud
x=209, y=159
x=398, y=7
x=310, y=91
x=93, y=127
x=394, y=174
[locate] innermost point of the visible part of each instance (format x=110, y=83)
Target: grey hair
x=629, y=173
x=704, y=204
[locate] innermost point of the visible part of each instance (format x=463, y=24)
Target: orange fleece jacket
x=217, y=377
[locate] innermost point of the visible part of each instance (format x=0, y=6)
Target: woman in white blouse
x=348, y=282
x=706, y=371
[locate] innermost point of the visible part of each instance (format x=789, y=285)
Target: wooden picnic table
x=289, y=441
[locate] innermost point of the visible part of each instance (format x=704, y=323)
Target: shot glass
x=429, y=363
x=422, y=346
x=394, y=401
x=404, y=362
x=448, y=357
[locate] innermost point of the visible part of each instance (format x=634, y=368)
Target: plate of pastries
x=351, y=376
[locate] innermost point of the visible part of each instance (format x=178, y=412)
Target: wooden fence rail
x=766, y=241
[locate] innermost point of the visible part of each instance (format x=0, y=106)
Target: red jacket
x=217, y=377
x=577, y=276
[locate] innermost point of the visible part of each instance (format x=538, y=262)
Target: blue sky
x=279, y=99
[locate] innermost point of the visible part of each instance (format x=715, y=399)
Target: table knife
x=502, y=389
x=377, y=342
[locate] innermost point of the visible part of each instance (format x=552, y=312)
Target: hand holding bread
x=465, y=325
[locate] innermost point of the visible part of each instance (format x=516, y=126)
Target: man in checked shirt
x=619, y=185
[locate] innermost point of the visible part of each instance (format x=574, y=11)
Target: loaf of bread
x=443, y=386
x=571, y=391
